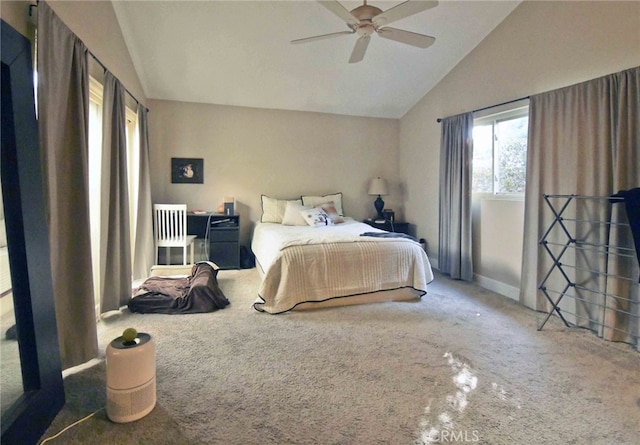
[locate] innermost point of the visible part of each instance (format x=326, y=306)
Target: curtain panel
x=143, y=256
x=63, y=110
x=456, y=154
x=585, y=140
x=115, y=240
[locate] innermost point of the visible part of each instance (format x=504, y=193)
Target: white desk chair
x=170, y=230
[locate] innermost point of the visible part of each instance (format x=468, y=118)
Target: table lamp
x=378, y=186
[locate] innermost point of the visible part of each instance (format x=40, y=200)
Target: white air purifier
x=131, y=378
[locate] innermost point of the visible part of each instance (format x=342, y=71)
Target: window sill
x=499, y=197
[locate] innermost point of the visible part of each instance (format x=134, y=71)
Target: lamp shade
x=378, y=186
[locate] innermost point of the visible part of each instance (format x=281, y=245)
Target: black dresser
x=221, y=233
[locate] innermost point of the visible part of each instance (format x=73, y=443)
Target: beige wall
x=497, y=253
x=539, y=47
x=16, y=14
x=283, y=154
x=95, y=23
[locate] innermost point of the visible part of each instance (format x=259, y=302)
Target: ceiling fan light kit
x=366, y=20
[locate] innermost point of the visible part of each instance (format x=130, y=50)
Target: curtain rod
x=106, y=69
x=96, y=59
x=492, y=106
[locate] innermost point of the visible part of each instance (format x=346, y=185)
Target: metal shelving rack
x=565, y=272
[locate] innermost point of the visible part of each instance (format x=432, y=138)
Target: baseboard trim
x=490, y=284
x=498, y=287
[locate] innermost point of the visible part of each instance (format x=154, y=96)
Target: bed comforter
x=302, y=265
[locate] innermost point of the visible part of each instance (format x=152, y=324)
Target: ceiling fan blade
x=321, y=37
x=408, y=37
x=402, y=10
x=340, y=11
x=359, y=49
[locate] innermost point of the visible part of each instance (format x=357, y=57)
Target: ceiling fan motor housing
x=365, y=14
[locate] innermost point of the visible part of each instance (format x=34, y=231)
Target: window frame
x=494, y=118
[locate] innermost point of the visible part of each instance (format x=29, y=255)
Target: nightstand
x=395, y=226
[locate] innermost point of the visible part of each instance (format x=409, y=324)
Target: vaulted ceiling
x=239, y=53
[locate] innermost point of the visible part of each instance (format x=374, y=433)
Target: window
x=95, y=162
x=133, y=171
x=95, y=171
x=500, y=152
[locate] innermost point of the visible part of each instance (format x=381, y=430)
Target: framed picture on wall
x=187, y=170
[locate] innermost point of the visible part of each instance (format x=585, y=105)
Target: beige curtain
x=115, y=242
x=143, y=256
x=585, y=140
x=456, y=154
x=63, y=110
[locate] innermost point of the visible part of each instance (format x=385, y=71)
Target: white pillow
x=292, y=215
x=273, y=209
x=313, y=201
x=315, y=217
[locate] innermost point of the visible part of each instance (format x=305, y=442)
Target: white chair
x=170, y=230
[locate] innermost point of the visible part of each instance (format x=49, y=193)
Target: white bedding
x=305, y=266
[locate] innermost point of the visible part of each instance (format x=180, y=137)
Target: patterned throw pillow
x=315, y=217
x=331, y=211
x=313, y=201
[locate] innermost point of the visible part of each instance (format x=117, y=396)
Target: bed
x=325, y=264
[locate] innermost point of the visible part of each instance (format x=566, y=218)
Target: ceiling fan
x=366, y=19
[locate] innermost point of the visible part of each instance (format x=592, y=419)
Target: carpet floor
x=462, y=365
